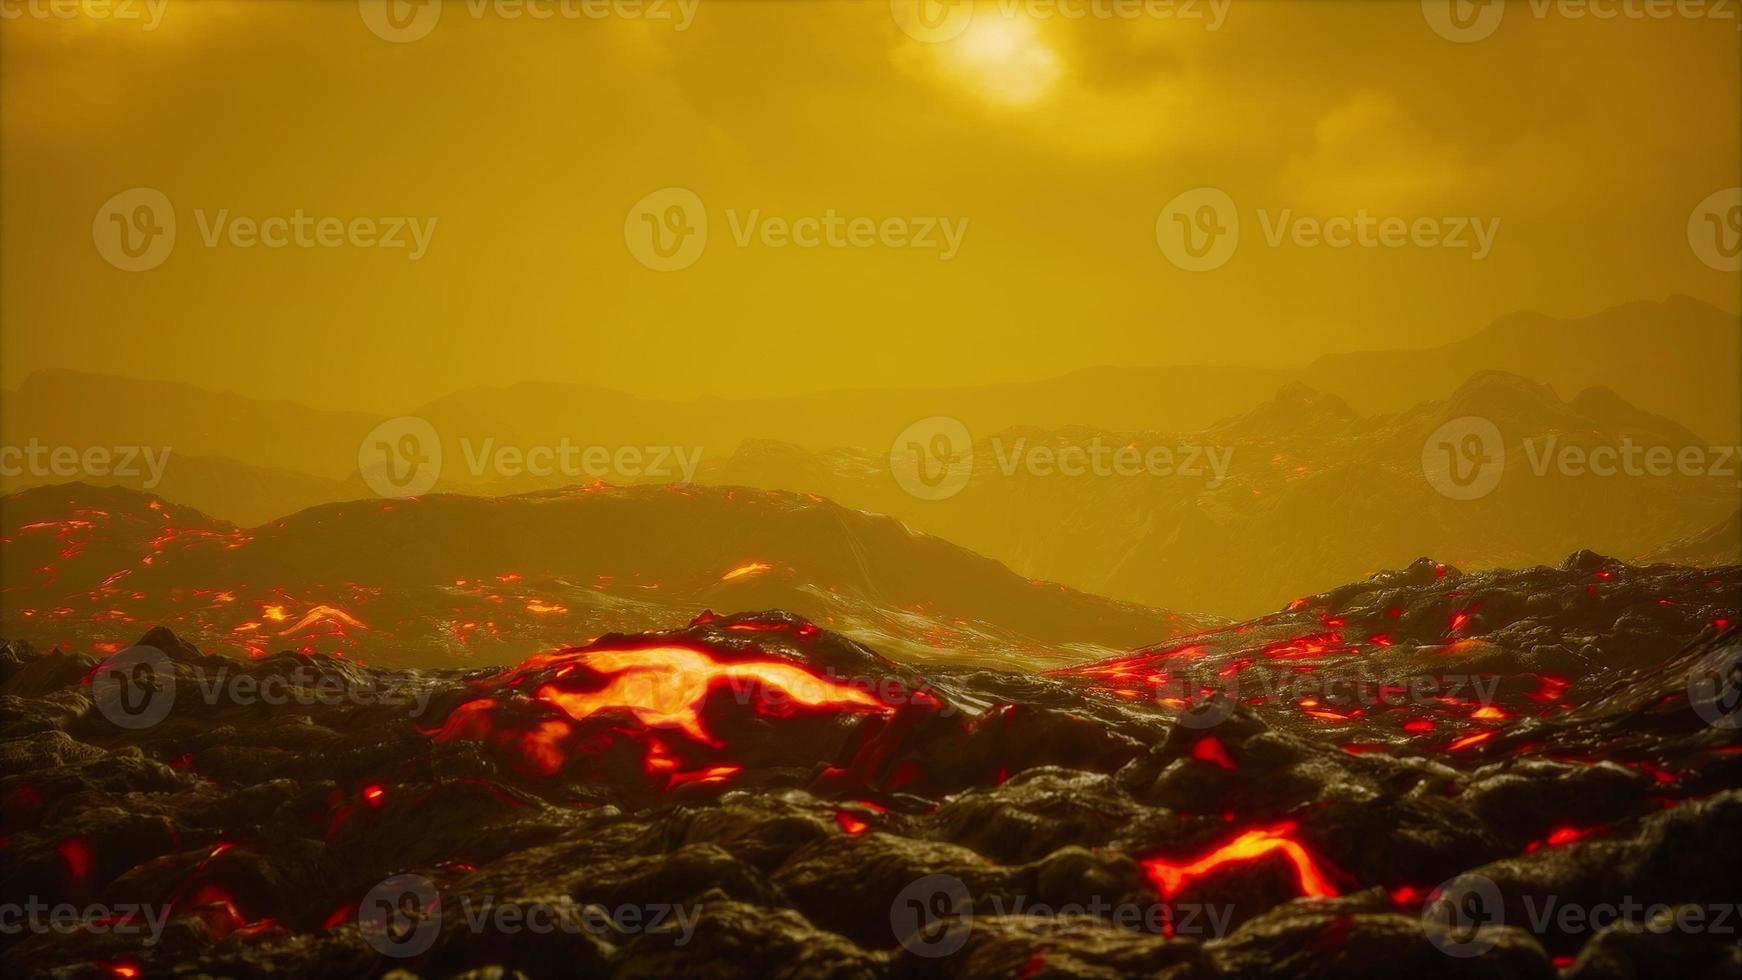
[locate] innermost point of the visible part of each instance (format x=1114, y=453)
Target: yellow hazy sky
x=1049, y=144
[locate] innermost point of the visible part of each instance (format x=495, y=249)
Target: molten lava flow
x=665, y=690
x=322, y=614
x=665, y=687
x=1469, y=740
x=1170, y=877
x=750, y=568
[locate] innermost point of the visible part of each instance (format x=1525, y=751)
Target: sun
x=1003, y=59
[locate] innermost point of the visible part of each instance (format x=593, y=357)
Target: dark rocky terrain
x=753, y=796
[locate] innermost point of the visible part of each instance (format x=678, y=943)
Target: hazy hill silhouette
x=1315, y=495
x=1676, y=358
x=495, y=579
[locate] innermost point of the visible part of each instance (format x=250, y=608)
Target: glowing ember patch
x=374, y=795
x=1460, y=619
x=742, y=571
x=546, y=608
x=77, y=855
x=1469, y=740
x=1408, y=896
x=1564, y=835
x=712, y=774
x=1488, y=712
x=1210, y=749
x=849, y=823
x=1551, y=688
x=1170, y=877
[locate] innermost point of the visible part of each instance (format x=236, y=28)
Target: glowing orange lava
x=1170, y=877
x=665, y=687
x=750, y=568
x=322, y=614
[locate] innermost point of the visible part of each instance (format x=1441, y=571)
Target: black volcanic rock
x=792, y=803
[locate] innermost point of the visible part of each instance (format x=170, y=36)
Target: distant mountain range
x=1325, y=480
x=1315, y=494
x=1678, y=358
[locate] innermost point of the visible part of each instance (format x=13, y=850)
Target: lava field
x=1431, y=773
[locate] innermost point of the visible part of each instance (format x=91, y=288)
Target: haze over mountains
x=1677, y=358
x=1321, y=476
